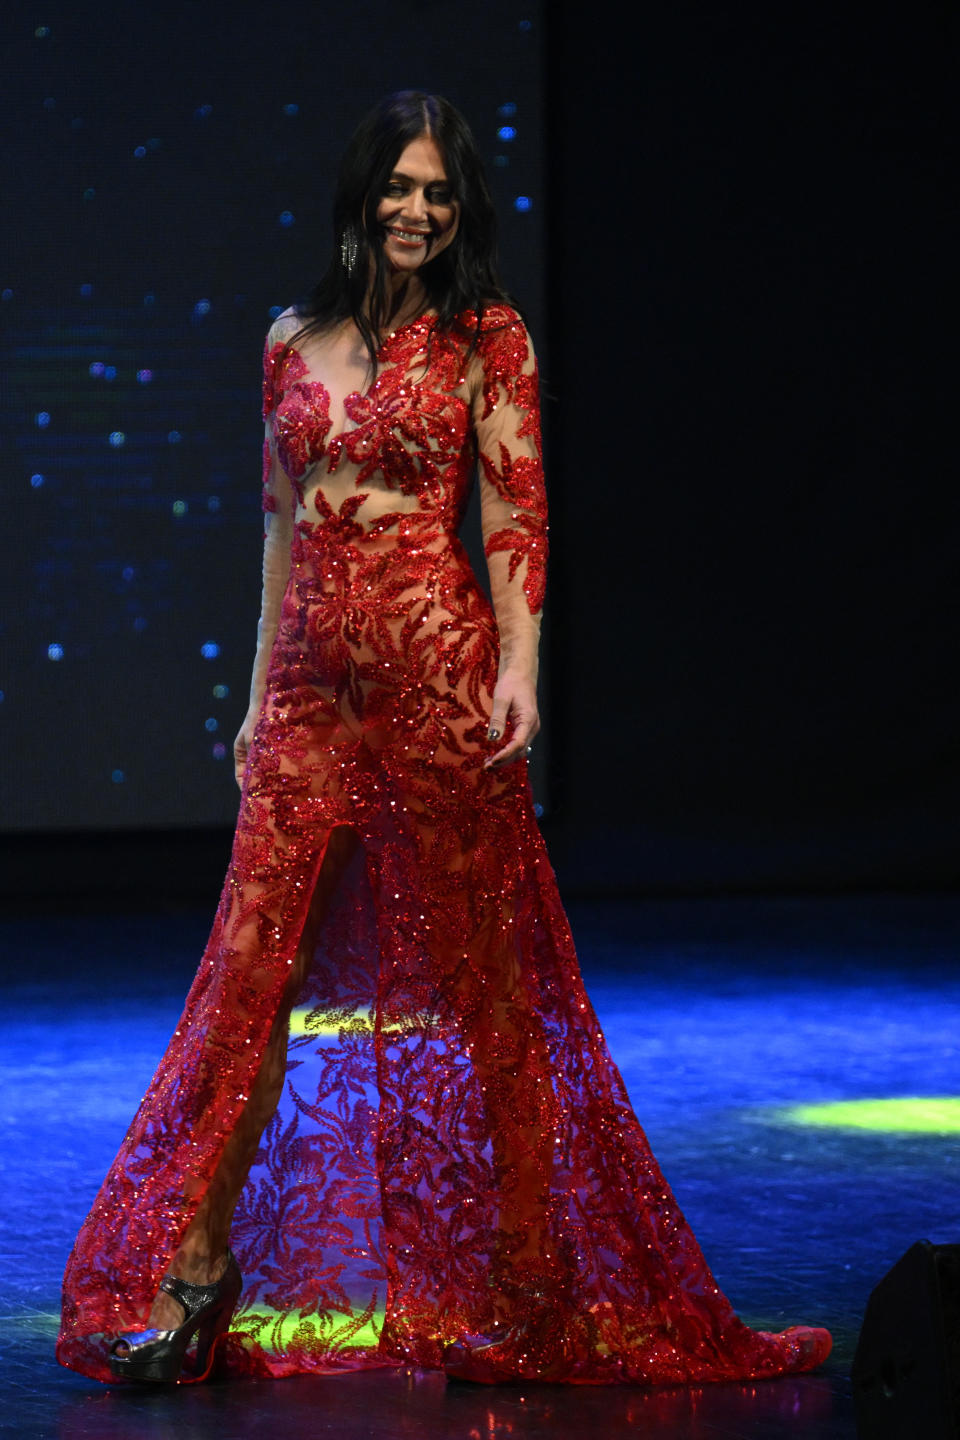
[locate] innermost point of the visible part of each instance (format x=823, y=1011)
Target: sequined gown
x=453, y=1136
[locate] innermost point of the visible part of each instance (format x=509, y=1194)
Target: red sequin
x=453, y=1144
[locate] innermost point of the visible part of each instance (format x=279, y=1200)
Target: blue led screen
x=167, y=191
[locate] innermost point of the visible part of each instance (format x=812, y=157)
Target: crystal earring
x=348, y=249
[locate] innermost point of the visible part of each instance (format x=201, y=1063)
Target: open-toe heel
x=159, y=1355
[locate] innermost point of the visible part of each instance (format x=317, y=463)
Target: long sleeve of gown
x=278, y=505
x=512, y=493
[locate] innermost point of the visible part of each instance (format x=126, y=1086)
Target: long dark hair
x=464, y=274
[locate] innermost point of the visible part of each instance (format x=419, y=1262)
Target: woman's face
x=417, y=213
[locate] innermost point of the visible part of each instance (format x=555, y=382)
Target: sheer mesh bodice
x=453, y=1144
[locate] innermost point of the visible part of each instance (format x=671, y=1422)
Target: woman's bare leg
x=201, y=1256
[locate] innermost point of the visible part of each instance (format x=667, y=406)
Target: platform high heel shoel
x=160, y=1355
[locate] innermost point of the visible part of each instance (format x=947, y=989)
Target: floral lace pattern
x=454, y=1144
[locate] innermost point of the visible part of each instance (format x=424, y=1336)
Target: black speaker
x=906, y=1370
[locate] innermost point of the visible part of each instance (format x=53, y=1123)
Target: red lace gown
x=453, y=1136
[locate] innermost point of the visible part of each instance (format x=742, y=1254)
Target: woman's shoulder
x=500, y=315
x=280, y=365
x=501, y=342
x=284, y=325
x=495, y=316
x=498, y=337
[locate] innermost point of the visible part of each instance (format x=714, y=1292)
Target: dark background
x=752, y=678
x=756, y=517
x=169, y=179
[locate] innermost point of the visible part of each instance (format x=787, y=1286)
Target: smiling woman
x=435, y=1162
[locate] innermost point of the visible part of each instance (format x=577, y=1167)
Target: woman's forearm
x=276, y=572
x=519, y=633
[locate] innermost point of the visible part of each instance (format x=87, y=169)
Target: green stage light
x=908, y=1114
x=352, y=1024
x=278, y=1332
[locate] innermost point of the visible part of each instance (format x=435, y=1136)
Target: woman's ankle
x=199, y=1265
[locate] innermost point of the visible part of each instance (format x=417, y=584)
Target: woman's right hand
x=242, y=744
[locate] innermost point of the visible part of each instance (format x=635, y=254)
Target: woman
x=388, y=1091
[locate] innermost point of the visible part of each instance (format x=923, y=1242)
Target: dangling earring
x=348, y=249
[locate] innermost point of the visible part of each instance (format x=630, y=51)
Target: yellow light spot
x=908, y=1114
x=282, y=1334
x=358, y=1022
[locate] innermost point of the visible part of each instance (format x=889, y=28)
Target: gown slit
x=232, y=1168
x=451, y=1145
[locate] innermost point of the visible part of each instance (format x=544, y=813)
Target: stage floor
x=738, y=1025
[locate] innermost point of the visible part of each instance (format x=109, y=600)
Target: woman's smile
x=408, y=237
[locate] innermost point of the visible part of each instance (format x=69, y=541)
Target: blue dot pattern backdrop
x=169, y=178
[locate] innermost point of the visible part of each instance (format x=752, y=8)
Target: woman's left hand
x=514, y=707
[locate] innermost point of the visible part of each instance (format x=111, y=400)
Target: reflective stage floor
x=794, y=1063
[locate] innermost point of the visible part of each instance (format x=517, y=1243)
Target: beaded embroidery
x=454, y=1144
